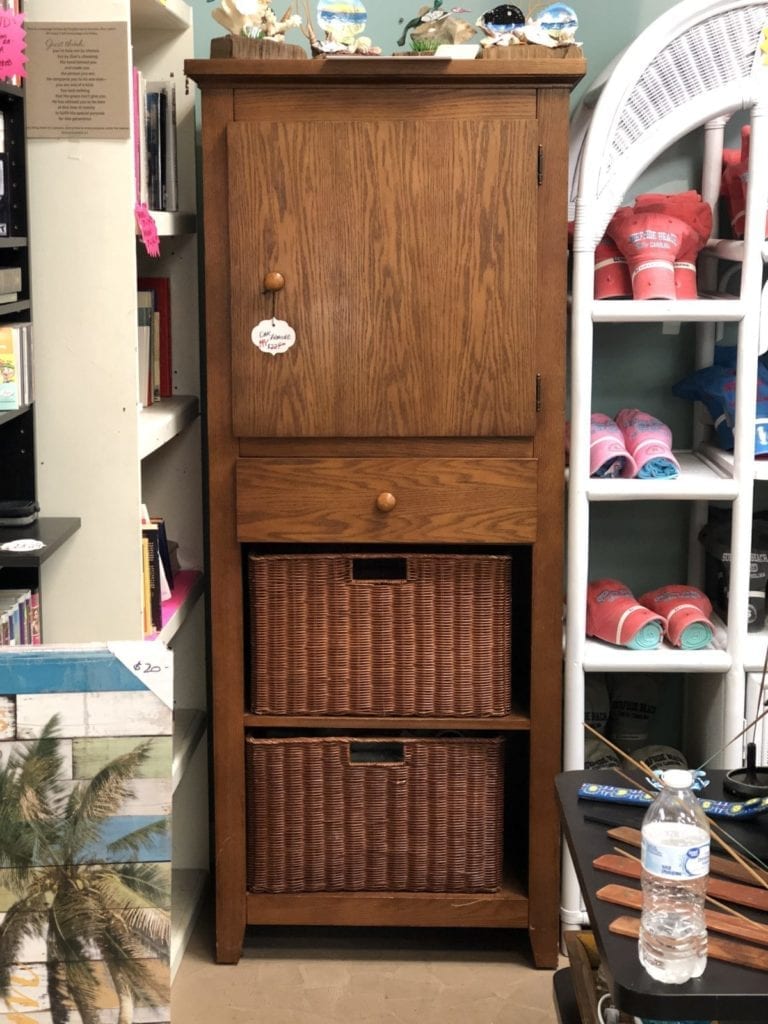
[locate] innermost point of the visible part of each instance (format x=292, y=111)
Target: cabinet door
x=408, y=250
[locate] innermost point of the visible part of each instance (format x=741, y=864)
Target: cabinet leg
x=545, y=946
x=229, y=948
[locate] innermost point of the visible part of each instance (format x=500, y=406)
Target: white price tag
x=273, y=336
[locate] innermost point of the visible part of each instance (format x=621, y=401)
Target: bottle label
x=671, y=854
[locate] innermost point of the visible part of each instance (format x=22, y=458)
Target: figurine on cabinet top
x=254, y=19
x=433, y=27
x=506, y=25
x=342, y=22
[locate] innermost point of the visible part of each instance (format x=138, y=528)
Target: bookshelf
x=99, y=453
x=23, y=549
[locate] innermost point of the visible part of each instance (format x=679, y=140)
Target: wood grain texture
x=441, y=500
x=722, y=889
x=408, y=320
x=424, y=267
x=729, y=950
x=722, y=866
x=717, y=921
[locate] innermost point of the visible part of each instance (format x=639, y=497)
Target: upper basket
x=700, y=60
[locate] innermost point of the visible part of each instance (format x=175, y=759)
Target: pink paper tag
x=13, y=39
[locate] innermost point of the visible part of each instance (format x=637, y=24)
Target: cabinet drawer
x=483, y=501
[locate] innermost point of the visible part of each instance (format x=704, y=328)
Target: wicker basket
x=339, y=814
x=420, y=635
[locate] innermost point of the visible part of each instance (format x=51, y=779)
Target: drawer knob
x=386, y=502
x=273, y=281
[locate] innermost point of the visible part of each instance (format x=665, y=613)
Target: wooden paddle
x=731, y=892
x=729, y=950
x=726, y=924
x=721, y=866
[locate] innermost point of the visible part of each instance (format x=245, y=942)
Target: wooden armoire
x=407, y=218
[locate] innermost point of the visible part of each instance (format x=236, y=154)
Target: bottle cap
x=677, y=778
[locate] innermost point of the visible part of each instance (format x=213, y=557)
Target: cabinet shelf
x=506, y=723
x=51, y=531
x=507, y=908
x=10, y=414
x=163, y=420
x=6, y=308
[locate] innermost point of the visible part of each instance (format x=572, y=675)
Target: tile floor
x=364, y=976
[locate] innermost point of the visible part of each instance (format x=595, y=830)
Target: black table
x=724, y=991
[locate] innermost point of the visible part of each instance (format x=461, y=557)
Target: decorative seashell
x=503, y=18
x=557, y=18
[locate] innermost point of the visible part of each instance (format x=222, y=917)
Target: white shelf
x=187, y=590
x=188, y=730
x=188, y=888
x=171, y=224
x=602, y=657
x=731, y=249
x=163, y=420
x=701, y=478
x=160, y=15
x=628, y=311
x=724, y=460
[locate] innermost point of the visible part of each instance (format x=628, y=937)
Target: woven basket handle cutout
x=383, y=755
x=380, y=571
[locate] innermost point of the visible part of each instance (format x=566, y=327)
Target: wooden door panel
x=409, y=266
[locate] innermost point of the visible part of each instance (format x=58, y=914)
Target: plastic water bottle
x=675, y=857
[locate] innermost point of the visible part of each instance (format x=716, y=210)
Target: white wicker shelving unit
x=693, y=68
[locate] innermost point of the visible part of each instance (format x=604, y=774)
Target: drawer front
x=443, y=500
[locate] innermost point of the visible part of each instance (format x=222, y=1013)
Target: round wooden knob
x=273, y=281
x=386, y=502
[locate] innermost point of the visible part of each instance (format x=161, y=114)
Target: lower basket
x=335, y=814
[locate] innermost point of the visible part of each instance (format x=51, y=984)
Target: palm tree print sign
x=85, y=791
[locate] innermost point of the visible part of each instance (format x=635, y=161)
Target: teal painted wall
x=606, y=26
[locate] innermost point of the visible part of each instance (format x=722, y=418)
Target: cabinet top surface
x=545, y=70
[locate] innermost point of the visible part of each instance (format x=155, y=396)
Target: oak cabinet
x=416, y=212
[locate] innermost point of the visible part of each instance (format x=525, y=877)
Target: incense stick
x=725, y=845
x=640, y=765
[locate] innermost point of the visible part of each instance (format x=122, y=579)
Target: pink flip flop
x=608, y=455
x=649, y=441
x=614, y=615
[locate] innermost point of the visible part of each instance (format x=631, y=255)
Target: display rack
x=98, y=449
x=687, y=74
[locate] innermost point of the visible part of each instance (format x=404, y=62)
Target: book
x=9, y=296
x=163, y=93
x=144, y=310
x=15, y=366
x=161, y=289
x=152, y=568
x=153, y=114
x=10, y=279
x=139, y=135
x=164, y=549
